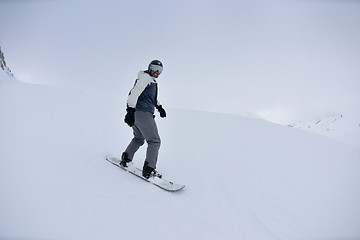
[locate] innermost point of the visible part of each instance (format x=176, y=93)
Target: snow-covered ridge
x=343, y=127
x=5, y=73
x=3, y=64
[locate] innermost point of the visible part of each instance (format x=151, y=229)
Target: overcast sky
x=281, y=59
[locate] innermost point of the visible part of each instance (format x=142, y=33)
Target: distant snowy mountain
x=344, y=127
x=5, y=73
x=245, y=178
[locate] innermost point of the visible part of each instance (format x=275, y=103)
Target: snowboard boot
x=149, y=171
x=125, y=161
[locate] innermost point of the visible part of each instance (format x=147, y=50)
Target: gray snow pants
x=145, y=129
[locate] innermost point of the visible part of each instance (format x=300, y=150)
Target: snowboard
x=159, y=182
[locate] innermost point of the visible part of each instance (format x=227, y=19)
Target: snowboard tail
x=159, y=182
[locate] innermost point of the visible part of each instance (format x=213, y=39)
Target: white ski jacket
x=143, y=96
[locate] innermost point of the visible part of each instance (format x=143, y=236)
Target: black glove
x=130, y=116
x=161, y=111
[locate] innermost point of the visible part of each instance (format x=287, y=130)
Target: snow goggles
x=156, y=68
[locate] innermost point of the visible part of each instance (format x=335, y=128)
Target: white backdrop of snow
x=246, y=178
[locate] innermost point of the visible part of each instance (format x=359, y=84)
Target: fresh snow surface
x=245, y=178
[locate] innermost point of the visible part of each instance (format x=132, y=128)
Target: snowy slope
x=246, y=178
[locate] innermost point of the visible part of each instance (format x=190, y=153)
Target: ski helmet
x=155, y=66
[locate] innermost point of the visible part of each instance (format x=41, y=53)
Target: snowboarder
x=141, y=104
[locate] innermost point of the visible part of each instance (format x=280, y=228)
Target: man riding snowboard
x=141, y=104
